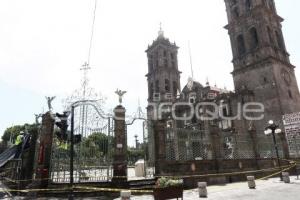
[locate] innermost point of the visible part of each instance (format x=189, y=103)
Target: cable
x=92, y=32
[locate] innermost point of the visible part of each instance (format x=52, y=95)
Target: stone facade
x=44, y=149
x=261, y=61
x=262, y=73
x=120, y=146
x=163, y=74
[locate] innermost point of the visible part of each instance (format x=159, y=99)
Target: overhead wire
x=92, y=32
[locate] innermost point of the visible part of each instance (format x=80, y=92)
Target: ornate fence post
x=120, y=148
x=44, y=150
x=159, y=128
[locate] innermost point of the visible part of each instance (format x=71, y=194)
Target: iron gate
x=93, y=139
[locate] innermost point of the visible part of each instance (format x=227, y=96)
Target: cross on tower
x=160, y=32
x=85, y=67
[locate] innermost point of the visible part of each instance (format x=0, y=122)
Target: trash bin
x=139, y=168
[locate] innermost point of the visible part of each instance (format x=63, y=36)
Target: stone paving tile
x=270, y=189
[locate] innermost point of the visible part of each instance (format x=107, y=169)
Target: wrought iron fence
x=92, y=152
x=187, y=144
x=182, y=144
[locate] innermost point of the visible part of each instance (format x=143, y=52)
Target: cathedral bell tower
x=260, y=58
x=163, y=75
x=163, y=79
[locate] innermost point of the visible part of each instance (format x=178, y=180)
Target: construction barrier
x=98, y=189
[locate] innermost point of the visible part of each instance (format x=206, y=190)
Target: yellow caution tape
x=266, y=177
x=95, y=189
x=293, y=163
x=227, y=174
x=86, y=188
x=112, y=189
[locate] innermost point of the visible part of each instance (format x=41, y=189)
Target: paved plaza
x=271, y=189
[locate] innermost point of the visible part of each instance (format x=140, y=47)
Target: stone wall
x=191, y=169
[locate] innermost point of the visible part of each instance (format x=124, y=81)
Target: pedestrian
x=18, y=143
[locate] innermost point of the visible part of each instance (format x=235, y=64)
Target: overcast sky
x=43, y=44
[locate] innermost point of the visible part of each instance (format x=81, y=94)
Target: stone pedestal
x=202, y=188
x=159, y=129
x=120, y=147
x=44, y=150
x=253, y=134
x=286, y=177
x=125, y=195
x=216, y=146
x=251, y=182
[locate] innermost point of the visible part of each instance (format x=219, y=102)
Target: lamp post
x=273, y=129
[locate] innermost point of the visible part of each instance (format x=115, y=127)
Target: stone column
x=253, y=135
x=216, y=146
x=44, y=150
x=120, y=147
x=159, y=129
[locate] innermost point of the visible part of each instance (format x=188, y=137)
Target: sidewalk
x=265, y=190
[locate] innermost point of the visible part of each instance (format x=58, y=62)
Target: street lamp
x=273, y=129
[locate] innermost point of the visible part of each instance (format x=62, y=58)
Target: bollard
x=202, y=189
x=286, y=177
x=125, y=194
x=251, y=182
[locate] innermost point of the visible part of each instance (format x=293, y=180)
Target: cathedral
x=264, y=79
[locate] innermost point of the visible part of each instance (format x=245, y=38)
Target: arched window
x=265, y=80
x=248, y=5
x=173, y=64
x=167, y=85
x=279, y=40
x=165, y=62
x=254, y=38
x=157, y=86
x=233, y=2
x=172, y=56
x=165, y=53
x=150, y=63
x=241, y=45
x=151, y=91
x=235, y=12
x=272, y=5
x=290, y=94
x=270, y=36
x=266, y=3
x=175, y=88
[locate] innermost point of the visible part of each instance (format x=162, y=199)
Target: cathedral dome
x=194, y=86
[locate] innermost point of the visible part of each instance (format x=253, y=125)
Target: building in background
x=262, y=73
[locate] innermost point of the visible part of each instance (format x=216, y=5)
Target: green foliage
x=96, y=145
x=14, y=131
x=164, y=182
x=134, y=155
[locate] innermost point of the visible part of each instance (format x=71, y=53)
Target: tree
x=96, y=144
x=13, y=131
x=134, y=155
